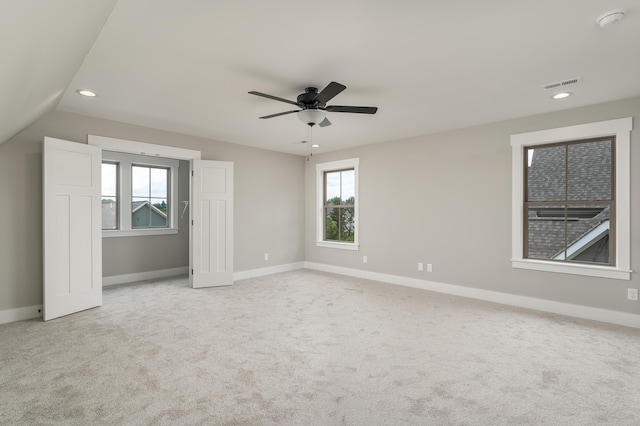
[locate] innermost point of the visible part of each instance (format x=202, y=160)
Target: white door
x=72, y=228
x=212, y=224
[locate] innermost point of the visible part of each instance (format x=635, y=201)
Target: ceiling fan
x=313, y=105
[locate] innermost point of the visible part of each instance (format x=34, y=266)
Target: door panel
x=72, y=228
x=212, y=229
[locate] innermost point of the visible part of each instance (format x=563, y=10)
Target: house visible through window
x=149, y=189
x=569, y=199
x=137, y=194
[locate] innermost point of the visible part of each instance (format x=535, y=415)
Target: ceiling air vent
x=562, y=83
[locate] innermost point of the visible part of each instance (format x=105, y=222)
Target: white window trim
x=152, y=151
x=321, y=168
x=621, y=129
x=125, y=161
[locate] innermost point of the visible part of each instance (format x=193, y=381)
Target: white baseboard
x=141, y=276
x=20, y=314
x=578, y=311
x=253, y=273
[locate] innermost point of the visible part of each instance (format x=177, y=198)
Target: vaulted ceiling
x=186, y=66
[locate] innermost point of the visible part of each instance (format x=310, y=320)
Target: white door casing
x=212, y=223
x=72, y=222
x=72, y=238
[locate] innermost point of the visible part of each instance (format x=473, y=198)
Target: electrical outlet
x=364, y=259
x=266, y=256
x=420, y=266
x=632, y=294
x=429, y=267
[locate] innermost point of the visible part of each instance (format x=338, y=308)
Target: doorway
x=72, y=220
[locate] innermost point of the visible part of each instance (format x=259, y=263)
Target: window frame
x=620, y=129
x=335, y=166
x=168, y=201
x=125, y=162
x=567, y=202
x=117, y=193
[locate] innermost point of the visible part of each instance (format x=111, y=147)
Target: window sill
x=138, y=232
x=575, y=269
x=342, y=246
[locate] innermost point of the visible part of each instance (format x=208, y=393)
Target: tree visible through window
x=339, y=205
x=569, y=201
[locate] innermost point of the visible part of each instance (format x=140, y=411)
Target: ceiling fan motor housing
x=307, y=99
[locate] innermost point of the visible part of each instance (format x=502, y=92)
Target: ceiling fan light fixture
x=311, y=117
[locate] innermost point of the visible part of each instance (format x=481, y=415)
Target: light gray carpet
x=309, y=348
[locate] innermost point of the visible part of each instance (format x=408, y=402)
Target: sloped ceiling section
x=42, y=45
x=186, y=66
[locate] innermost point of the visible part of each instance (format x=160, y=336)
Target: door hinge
x=191, y=222
x=192, y=272
x=191, y=172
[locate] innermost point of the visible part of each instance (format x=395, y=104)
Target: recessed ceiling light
x=562, y=95
x=87, y=93
x=315, y=145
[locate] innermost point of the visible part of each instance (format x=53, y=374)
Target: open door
x=71, y=227
x=212, y=224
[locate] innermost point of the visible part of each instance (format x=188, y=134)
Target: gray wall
x=128, y=255
x=445, y=199
x=268, y=206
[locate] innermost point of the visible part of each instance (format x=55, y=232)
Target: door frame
x=154, y=150
x=94, y=147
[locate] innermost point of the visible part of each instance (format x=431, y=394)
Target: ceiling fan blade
x=280, y=113
x=329, y=92
x=275, y=98
x=325, y=122
x=355, y=109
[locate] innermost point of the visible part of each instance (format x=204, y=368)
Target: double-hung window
x=138, y=195
x=571, y=199
x=150, y=196
x=337, y=204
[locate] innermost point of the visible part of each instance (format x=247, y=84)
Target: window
x=149, y=189
x=339, y=201
x=337, y=194
x=110, y=205
x=571, y=199
x=141, y=188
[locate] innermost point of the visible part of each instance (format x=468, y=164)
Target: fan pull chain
x=309, y=142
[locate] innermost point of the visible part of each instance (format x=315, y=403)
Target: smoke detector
x=611, y=17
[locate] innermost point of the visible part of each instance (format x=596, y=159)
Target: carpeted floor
x=310, y=348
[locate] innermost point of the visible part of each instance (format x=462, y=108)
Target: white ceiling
x=186, y=66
